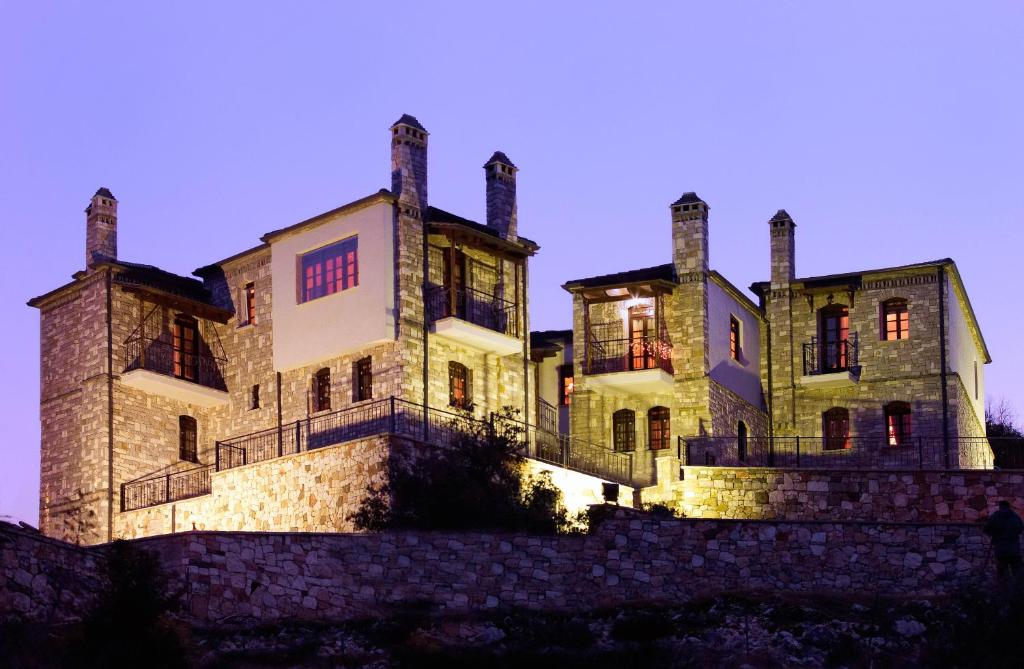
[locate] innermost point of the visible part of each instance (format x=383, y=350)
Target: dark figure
x=1005, y=528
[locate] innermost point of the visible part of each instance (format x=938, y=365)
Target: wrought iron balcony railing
x=624, y=355
x=830, y=357
x=161, y=357
x=474, y=306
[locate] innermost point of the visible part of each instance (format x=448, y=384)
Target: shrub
x=475, y=483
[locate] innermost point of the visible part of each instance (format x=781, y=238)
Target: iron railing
x=918, y=452
x=830, y=357
x=474, y=306
x=622, y=355
x=161, y=357
x=164, y=488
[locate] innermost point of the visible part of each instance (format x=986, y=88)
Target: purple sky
x=892, y=132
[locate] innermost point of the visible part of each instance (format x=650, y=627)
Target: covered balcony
x=626, y=344
x=474, y=297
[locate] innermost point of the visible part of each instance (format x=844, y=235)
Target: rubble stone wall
x=838, y=495
x=628, y=558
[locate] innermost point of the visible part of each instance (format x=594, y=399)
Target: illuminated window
x=565, y=384
x=363, y=379
x=459, y=391
x=895, y=320
x=734, y=338
x=624, y=430
x=329, y=270
x=322, y=390
x=658, y=431
x=836, y=428
x=184, y=348
x=897, y=424
x=187, y=449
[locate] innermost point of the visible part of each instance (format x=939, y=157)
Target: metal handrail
x=474, y=306
x=163, y=488
x=628, y=354
x=832, y=356
x=162, y=357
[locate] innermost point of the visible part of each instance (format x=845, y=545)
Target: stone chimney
x=690, y=234
x=409, y=166
x=783, y=231
x=501, y=195
x=101, y=228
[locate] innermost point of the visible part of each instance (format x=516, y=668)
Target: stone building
x=673, y=364
x=156, y=387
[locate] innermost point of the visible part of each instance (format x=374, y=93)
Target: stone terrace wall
x=43, y=579
x=830, y=495
x=309, y=491
x=272, y=575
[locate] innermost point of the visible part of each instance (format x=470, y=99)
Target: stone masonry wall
x=312, y=491
x=271, y=576
x=837, y=495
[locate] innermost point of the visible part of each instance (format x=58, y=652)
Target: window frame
x=188, y=439
x=318, y=270
x=362, y=379
x=254, y=397
x=459, y=375
x=565, y=373
x=900, y=308
x=249, y=302
x=659, y=420
x=735, y=339
x=624, y=431
x=322, y=390
x=835, y=429
x=898, y=424
x=741, y=441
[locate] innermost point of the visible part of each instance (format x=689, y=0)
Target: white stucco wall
x=343, y=322
x=742, y=377
x=963, y=351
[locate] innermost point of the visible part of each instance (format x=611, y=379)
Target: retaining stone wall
x=271, y=575
x=840, y=495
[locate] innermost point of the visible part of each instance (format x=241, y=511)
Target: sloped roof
x=666, y=272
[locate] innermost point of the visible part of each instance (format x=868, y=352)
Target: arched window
x=624, y=430
x=835, y=425
x=895, y=320
x=459, y=391
x=187, y=448
x=897, y=424
x=658, y=433
x=322, y=390
x=741, y=441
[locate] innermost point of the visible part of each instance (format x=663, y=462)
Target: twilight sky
x=891, y=132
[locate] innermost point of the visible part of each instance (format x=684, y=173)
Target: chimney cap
x=781, y=215
x=410, y=121
x=104, y=192
x=689, y=198
x=500, y=157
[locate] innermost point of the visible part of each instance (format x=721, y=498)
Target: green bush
x=475, y=483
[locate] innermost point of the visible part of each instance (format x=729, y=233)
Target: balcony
x=831, y=364
x=474, y=318
x=637, y=365
x=157, y=367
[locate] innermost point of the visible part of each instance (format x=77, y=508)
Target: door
x=184, y=348
x=455, y=283
x=641, y=335
x=835, y=331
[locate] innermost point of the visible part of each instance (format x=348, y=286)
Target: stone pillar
x=688, y=320
x=501, y=195
x=778, y=307
x=409, y=187
x=101, y=228
x=783, y=248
